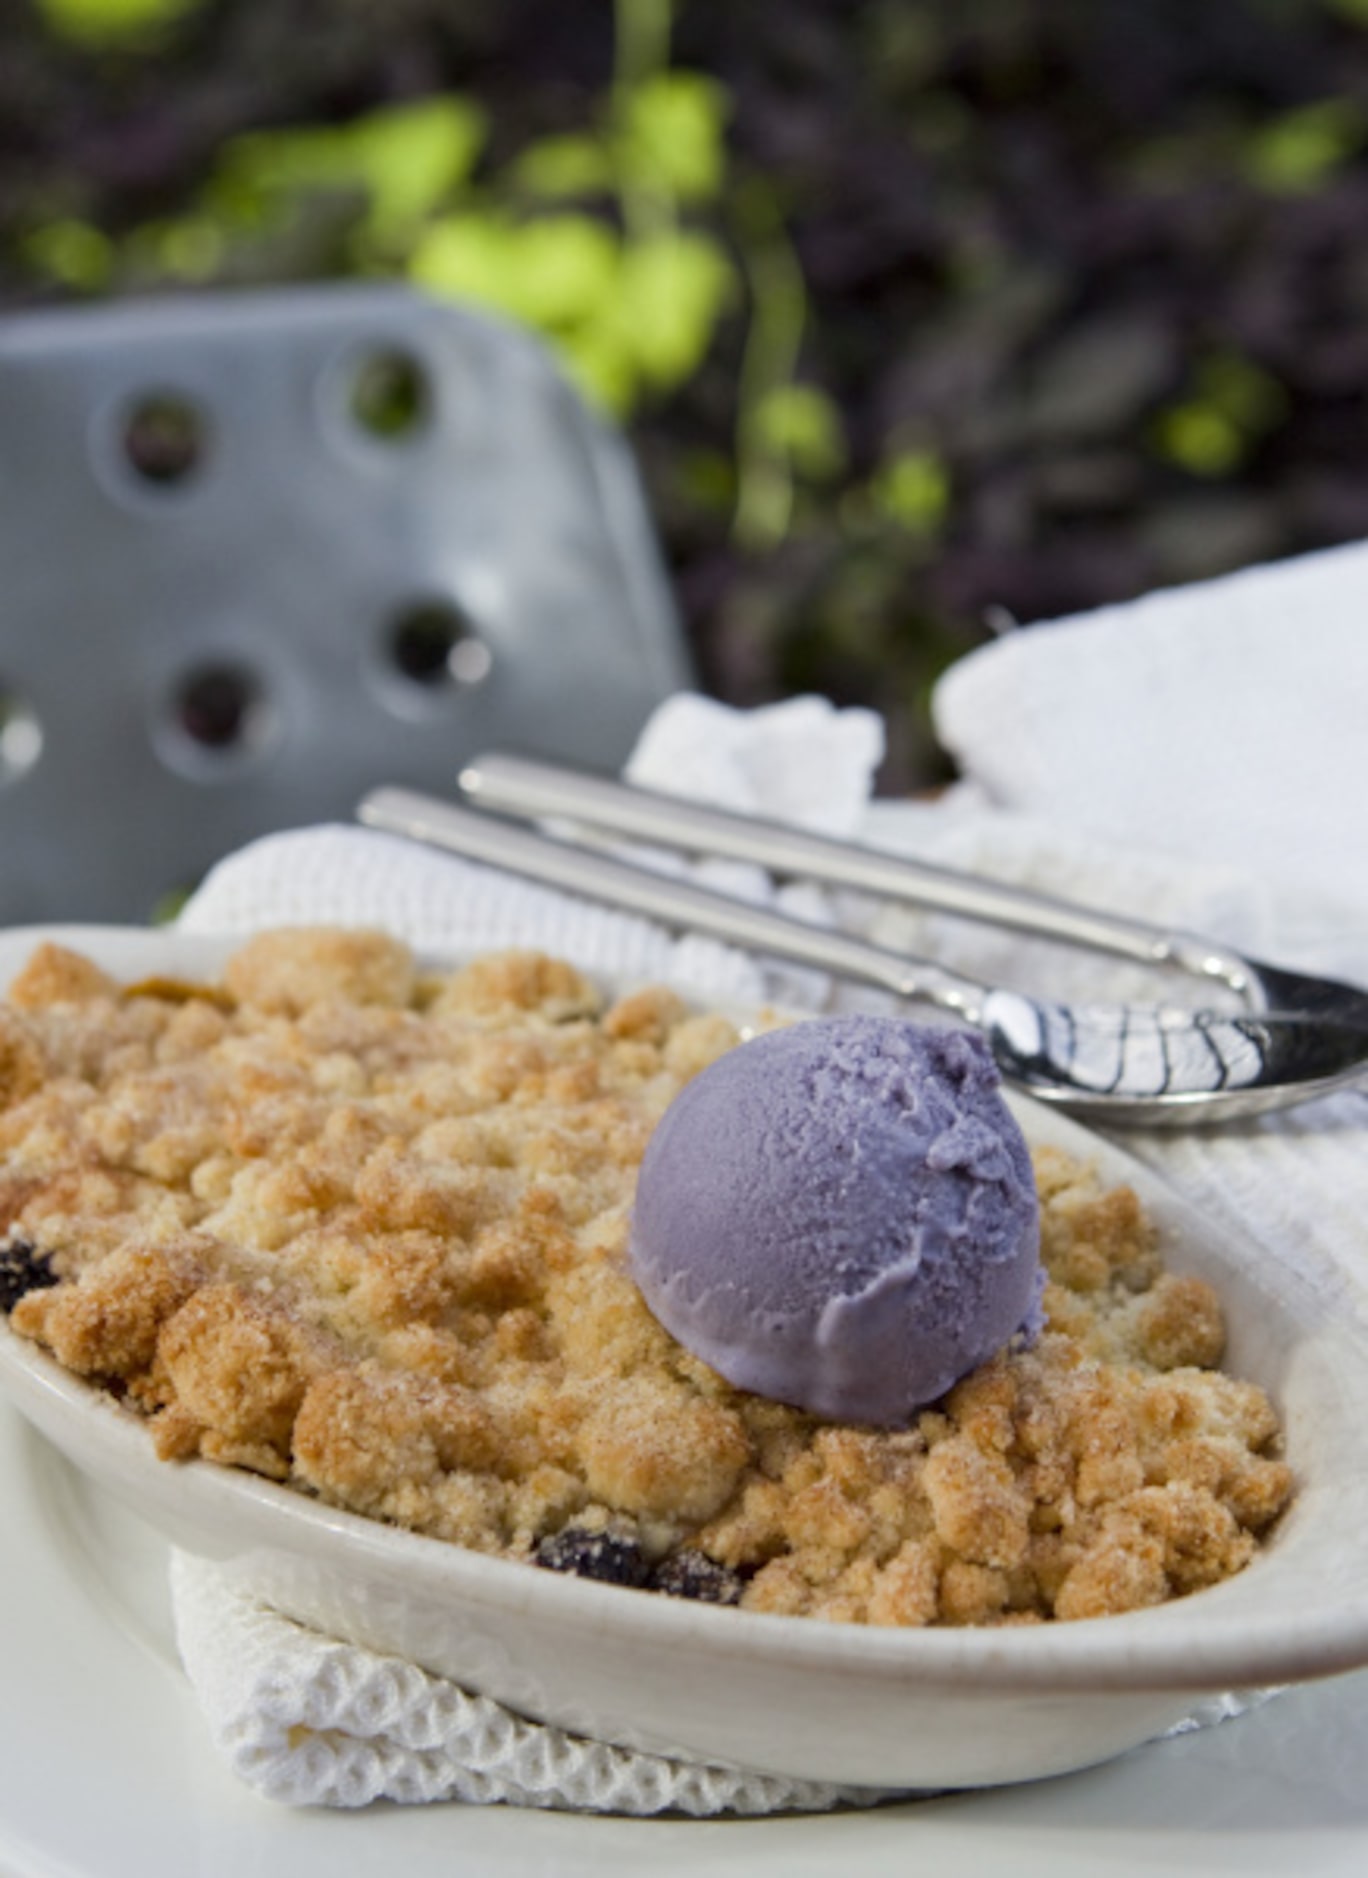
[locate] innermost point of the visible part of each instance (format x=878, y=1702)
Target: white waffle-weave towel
x=310, y=1721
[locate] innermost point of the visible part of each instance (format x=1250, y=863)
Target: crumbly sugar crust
x=362, y=1228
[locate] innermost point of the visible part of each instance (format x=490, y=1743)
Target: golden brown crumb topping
x=362, y=1228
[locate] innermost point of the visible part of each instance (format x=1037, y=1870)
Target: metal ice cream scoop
x=1295, y=1037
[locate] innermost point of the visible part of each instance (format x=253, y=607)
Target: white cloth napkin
x=1199, y=758
x=1225, y=721
x=1078, y=775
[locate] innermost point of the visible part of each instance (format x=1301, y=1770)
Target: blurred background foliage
x=925, y=317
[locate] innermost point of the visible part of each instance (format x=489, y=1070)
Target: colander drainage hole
x=434, y=646
x=390, y=398
x=220, y=708
x=164, y=438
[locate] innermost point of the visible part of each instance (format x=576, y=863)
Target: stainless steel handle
x=520, y=786
x=674, y=903
x=1109, y=1063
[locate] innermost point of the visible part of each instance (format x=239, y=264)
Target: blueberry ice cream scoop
x=842, y=1215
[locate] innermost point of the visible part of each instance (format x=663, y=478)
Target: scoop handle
x=675, y=903
x=523, y=786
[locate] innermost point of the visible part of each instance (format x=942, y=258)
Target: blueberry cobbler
x=363, y=1228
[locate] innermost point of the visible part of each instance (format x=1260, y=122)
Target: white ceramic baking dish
x=914, y=1708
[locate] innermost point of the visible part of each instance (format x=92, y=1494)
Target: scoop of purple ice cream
x=842, y=1215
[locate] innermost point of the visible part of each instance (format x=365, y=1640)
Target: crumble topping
x=362, y=1228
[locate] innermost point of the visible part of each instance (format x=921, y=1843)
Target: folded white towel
x=311, y=1721
x=1225, y=721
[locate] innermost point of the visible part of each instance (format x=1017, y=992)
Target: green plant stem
x=642, y=31
x=641, y=51
x=764, y=476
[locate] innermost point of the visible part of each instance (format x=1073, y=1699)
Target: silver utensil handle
x=521, y=786
x=673, y=902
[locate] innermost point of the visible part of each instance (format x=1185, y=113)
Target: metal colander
x=263, y=550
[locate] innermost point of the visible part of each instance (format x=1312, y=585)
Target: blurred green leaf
x=913, y=490
x=191, y=248
x=406, y=160
x=671, y=135
x=111, y=22
x=73, y=253
x=469, y=256
x=264, y=169
x=1300, y=149
x=601, y=366
x=553, y=272
x=558, y=275
x=414, y=155
x=1233, y=402
x=671, y=292
x=1201, y=439
x=567, y=269
x=803, y=424
x=560, y=167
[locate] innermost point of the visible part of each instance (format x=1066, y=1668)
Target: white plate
x=106, y=1769
x=907, y=1708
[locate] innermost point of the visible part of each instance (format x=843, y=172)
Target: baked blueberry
x=23, y=1268
x=687, y=1574
x=610, y=1557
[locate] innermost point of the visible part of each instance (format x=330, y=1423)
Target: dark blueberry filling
x=23, y=1268
x=695, y=1575
x=615, y=1559
x=607, y=1556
